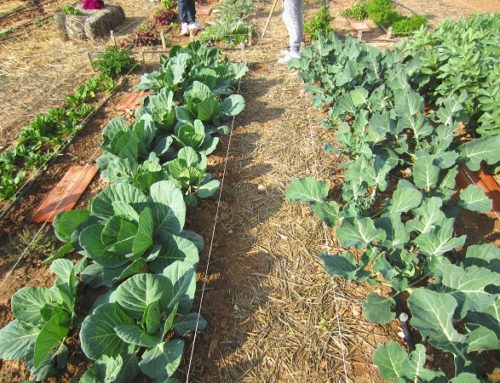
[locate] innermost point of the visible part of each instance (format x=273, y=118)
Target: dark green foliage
x=319, y=24
x=384, y=14
x=114, y=61
x=71, y=10
x=356, y=12
x=232, y=26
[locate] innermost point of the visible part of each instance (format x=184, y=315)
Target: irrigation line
x=26, y=187
x=339, y=327
x=38, y=233
x=214, y=227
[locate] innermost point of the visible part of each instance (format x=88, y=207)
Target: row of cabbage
x=396, y=208
x=132, y=241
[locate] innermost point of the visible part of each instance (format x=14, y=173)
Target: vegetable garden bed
x=392, y=217
x=131, y=162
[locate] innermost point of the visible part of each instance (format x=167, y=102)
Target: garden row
x=232, y=26
x=44, y=137
x=384, y=14
x=398, y=117
x=132, y=241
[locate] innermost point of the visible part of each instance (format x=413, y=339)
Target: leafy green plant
x=356, y=12
x=232, y=25
x=384, y=14
x=403, y=225
x=460, y=56
x=127, y=232
x=167, y=4
x=409, y=25
x=114, y=61
x=43, y=319
x=193, y=135
x=134, y=330
x=71, y=10
x=188, y=172
x=196, y=62
x=201, y=103
x=132, y=238
x=319, y=24
x=133, y=142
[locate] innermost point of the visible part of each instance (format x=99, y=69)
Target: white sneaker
x=196, y=26
x=290, y=55
x=184, y=29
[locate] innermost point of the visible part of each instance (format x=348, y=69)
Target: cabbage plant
x=127, y=232
x=43, y=319
x=136, y=328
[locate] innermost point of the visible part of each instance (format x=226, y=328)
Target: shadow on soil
x=235, y=286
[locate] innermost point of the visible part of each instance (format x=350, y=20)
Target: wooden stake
x=90, y=59
x=250, y=33
x=162, y=36
x=143, y=61
x=269, y=18
x=389, y=33
x=113, y=38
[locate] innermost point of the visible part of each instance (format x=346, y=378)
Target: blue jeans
x=187, y=11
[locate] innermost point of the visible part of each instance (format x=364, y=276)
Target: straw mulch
x=274, y=314
x=39, y=70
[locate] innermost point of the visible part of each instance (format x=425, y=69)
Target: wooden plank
x=360, y=26
x=65, y=194
x=205, y=10
x=129, y=102
x=485, y=181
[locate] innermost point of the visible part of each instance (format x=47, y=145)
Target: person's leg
x=292, y=16
x=192, y=11
x=183, y=11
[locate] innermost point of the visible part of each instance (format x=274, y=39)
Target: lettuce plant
x=134, y=330
x=43, y=319
x=127, y=232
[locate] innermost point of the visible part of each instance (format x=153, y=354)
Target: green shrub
x=408, y=25
x=114, y=61
x=319, y=24
x=356, y=12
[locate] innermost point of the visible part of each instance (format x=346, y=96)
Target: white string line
x=45, y=223
x=339, y=328
x=214, y=227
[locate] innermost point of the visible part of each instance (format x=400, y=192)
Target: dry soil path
x=274, y=315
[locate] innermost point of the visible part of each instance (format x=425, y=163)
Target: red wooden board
x=485, y=181
x=130, y=100
x=204, y=10
x=65, y=194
